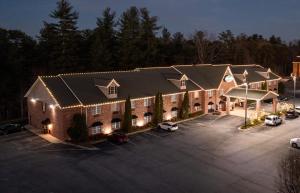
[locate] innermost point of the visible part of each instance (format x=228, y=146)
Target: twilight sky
x=266, y=17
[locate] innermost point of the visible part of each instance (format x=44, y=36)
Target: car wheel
x=169, y=129
x=294, y=145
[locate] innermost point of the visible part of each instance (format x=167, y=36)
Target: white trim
x=32, y=86
x=113, y=81
x=70, y=89
x=189, y=79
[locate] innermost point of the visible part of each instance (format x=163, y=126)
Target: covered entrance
x=252, y=95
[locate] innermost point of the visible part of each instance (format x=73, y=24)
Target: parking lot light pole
x=294, y=79
x=246, y=95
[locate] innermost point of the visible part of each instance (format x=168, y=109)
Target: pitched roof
x=206, y=75
x=251, y=95
x=76, y=89
x=256, y=73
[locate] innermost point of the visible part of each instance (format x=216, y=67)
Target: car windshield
x=268, y=118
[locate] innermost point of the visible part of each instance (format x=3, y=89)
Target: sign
x=228, y=78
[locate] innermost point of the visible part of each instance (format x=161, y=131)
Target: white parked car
x=169, y=126
x=297, y=109
x=273, y=120
x=295, y=142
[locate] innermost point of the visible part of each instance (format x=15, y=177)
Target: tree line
x=134, y=39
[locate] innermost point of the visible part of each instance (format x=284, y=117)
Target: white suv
x=273, y=120
x=169, y=126
x=295, y=142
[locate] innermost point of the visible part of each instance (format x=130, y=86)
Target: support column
x=228, y=105
x=274, y=104
x=258, y=105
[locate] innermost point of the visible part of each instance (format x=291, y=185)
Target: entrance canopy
x=253, y=94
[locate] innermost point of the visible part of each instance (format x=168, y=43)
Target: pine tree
x=148, y=41
x=127, y=122
x=128, y=37
x=184, y=111
x=158, y=109
x=104, y=48
x=64, y=49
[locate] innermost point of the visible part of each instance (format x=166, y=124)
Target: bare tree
x=289, y=174
x=207, y=49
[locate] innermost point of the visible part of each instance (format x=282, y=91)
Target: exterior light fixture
x=52, y=107
x=33, y=100
x=140, y=123
x=107, y=130
x=50, y=126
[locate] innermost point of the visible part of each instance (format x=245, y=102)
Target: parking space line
x=151, y=134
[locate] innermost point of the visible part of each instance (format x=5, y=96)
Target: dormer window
x=182, y=83
x=112, y=90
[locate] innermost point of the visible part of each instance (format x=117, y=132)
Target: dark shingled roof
x=81, y=88
x=206, y=76
x=60, y=91
x=253, y=73
x=137, y=84
x=251, y=95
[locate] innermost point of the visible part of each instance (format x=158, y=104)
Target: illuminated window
x=173, y=98
x=134, y=122
x=44, y=107
x=147, y=118
x=210, y=93
x=116, y=125
x=112, y=90
x=132, y=105
x=96, y=130
x=114, y=107
x=182, y=83
x=147, y=102
x=196, y=94
x=96, y=110
x=221, y=91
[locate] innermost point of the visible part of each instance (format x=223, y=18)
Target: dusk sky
x=266, y=17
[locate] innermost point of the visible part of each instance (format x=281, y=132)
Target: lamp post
x=246, y=95
x=294, y=79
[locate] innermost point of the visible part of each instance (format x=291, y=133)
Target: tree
x=104, y=48
x=264, y=86
x=281, y=88
x=185, y=107
x=128, y=37
x=148, y=41
x=158, y=109
x=288, y=180
x=78, y=130
x=62, y=38
x=127, y=122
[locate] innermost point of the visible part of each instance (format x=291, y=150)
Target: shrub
x=78, y=130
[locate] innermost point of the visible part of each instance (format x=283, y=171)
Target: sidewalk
x=54, y=140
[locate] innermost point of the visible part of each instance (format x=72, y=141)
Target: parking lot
x=207, y=154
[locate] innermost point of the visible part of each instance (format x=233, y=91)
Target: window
x=114, y=107
x=147, y=119
x=147, y=102
x=133, y=121
x=132, y=105
x=44, y=107
x=116, y=125
x=96, y=110
x=96, y=130
x=182, y=83
x=221, y=91
x=174, y=113
x=173, y=98
x=112, y=90
x=197, y=108
x=196, y=94
x=210, y=93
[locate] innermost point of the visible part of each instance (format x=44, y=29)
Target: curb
x=249, y=128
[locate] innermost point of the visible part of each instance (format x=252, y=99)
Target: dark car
x=10, y=128
x=283, y=98
x=291, y=114
x=118, y=137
